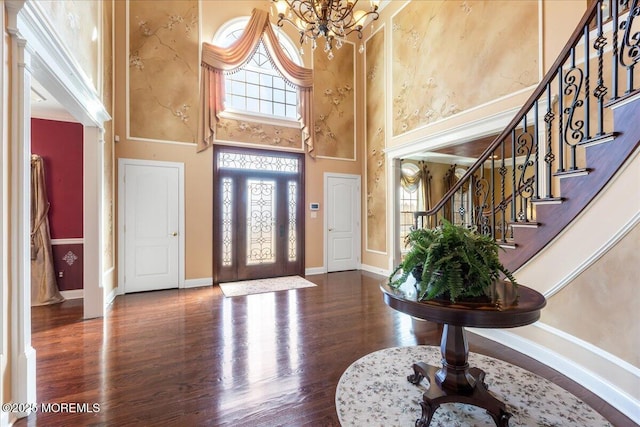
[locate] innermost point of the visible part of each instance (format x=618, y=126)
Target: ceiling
x=45, y=106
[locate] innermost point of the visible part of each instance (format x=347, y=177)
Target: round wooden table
x=455, y=381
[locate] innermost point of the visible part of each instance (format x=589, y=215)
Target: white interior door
x=343, y=222
x=152, y=226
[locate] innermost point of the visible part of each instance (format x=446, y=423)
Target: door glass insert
x=292, y=204
x=227, y=222
x=258, y=162
x=261, y=221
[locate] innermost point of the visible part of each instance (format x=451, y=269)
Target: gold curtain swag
x=410, y=182
x=217, y=60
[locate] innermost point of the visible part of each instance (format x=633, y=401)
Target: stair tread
x=547, y=200
x=572, y=173
x=600, y=139
x=525, y=224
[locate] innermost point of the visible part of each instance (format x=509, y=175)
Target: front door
x=258, y=214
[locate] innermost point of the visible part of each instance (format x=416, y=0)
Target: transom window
x=257, y=87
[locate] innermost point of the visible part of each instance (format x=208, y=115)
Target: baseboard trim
x=76, y=241
x=110, y=297
x=376, y=270
x=314, y=271
x=592, y=380
x=73, y=294
x=198, y=283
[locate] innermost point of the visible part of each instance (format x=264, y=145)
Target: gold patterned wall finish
x=608, y=286
x=230, y=130
x=447, y=62
x=333, y=103
x=375, y=131
x=75, y=22
x=107, y=100
x=163, y=70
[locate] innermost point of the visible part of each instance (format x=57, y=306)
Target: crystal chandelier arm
x=328, y=18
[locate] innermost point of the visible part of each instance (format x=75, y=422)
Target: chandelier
x=332, y=19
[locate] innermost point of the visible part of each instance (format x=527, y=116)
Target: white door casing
x=342, y=222
x=152, y=225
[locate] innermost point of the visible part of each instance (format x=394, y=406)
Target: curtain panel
x=44, y=288
x=217, y=60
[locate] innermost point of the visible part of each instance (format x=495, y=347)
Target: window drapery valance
x=217, y=60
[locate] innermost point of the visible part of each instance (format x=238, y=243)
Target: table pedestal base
x=476, y=395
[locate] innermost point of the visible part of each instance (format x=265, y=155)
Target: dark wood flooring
x=194, y=358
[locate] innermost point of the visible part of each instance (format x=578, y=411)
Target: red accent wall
x=60, y=145
x=68, y=263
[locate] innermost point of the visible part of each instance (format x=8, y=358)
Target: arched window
x=410, y=200
x=257, y=88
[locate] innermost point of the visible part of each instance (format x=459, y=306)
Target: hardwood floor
x=192, y=357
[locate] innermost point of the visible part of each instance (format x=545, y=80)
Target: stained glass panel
x=257, y=162
x=227, y=222
x=261, y=227
x=292, y=204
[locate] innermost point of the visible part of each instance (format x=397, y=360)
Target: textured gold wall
x=107, y=99
x=333, y=103
x=603, y=300
x=442, y=64
x=376, y=201
x=250, y=132
x=163, y=70
x=74, y=22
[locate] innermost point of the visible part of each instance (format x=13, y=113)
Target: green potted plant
x=452, y=262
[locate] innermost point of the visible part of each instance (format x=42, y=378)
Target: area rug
x=259, y=286
x=374, y=391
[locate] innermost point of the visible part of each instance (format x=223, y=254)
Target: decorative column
x=23, y=356
x=92, y=219
x=4, y=228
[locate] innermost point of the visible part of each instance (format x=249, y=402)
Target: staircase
x=575, y=131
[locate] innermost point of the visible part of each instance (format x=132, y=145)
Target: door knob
x=330, y=229
x=174, y=234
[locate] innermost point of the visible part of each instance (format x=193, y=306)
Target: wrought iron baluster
x=560, y=131
x=549, y=156
x=525, y=184
x=614, y=55
x=587, y=94
x=573, y=133
x=601, y=90
x=481, y=194
x=503, y=201
x=536, y=143
x=492, y=186
x=514, y=188
x=630, y=44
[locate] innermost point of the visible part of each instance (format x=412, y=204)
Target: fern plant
x=456, y=262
